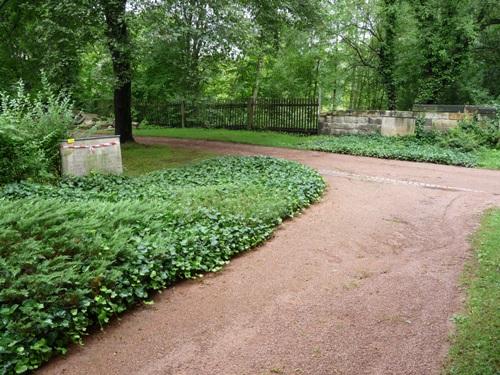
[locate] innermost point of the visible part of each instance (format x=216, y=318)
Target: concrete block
x=97, y=154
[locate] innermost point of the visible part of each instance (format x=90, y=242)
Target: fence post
x=251, y=112
x=183, y=113
x=318, y=114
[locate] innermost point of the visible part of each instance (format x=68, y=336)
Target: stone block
x=98, y=154
x=397, y=126
x=375, y=120
x=444, y=125
x=457, y=116
x=436, y=115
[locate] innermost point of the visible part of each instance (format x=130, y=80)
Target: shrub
x=473, y=134
x=31, y=128
x=77, y=253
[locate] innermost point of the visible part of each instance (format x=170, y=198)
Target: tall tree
x=120, y=49
x=270, y=19
x=44, y=35
x=445, y=42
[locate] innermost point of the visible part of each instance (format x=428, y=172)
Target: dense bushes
x=30, y=130
x=472, y=135
x=77, y=253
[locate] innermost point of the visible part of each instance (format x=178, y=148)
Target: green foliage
x=471, y=135
x=475, y=349
x=359, y=54
x=401, y=148
x=31, y=128
x=489, y=159
x=263, y=138
x=76, y=254
x=46, y=35
x=425, y=146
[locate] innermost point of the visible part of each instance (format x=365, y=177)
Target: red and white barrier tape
x=91, y=147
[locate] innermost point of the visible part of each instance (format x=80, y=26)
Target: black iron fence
x=290, y=115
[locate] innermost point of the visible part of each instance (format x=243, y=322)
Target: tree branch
x=358, y=52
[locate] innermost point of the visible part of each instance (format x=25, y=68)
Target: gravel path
x=364, y=282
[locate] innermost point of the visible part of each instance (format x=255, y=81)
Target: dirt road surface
x=364, y=282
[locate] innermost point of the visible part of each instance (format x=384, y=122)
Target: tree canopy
x=356, y=53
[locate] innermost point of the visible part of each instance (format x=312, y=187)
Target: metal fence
x=289, y=115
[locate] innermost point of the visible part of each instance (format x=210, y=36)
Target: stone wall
x=387, y=123
x=391, y=123
x=445, y=117
x=442, y=121
x=102, y=154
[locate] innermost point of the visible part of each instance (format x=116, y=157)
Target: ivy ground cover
x=77, y=253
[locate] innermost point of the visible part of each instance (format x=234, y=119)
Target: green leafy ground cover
x=425, y=149
x=77, y=253
x=475, y=349
x=407, y=148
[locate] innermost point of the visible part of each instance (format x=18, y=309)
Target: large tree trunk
x=119, y=47
x=123, y=114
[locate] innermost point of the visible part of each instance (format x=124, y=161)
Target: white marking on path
x=386, y=180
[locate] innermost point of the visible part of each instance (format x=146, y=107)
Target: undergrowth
x=75, y=254
x=461, y=146
x=31, y=127
x=400, y=148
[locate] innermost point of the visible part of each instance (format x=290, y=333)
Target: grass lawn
x=476, y=349
x=382, y=147
x=262, y=138
x=79, y=252
x=140, y=159
x=489, y=159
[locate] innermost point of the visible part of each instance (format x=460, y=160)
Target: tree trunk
x=316, y=78
x=119, y=48
x=255, y=91
x=351, y=96
x=123, y=113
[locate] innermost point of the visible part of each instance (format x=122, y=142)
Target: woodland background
x=362, y=54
